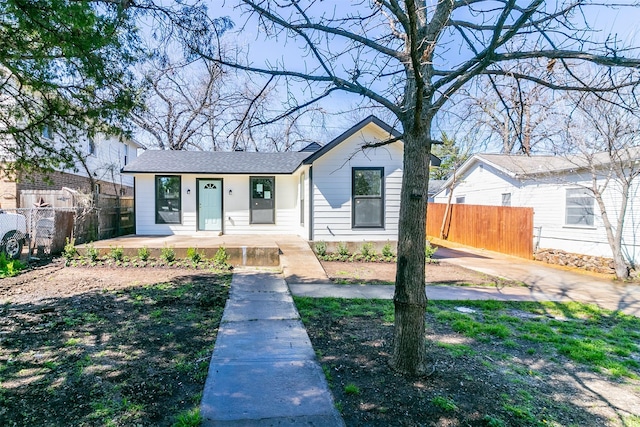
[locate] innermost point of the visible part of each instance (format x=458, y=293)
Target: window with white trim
x=579, y=207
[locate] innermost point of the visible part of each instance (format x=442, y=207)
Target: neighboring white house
x=566, y=216
x=104, y=156
x=336, y=192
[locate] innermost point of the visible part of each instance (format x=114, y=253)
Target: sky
x=622, y=22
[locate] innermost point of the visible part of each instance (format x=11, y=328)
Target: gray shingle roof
x=527, y=165
x=216, y=162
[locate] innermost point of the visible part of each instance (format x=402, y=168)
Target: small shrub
x=367, y=250
x=168, y=254
x=194, y=255
x=221, y=258
x=342, y=249
x=429, y=251
x=387, y=252
x=351, y=389
x=70, y=251
x=92, y=253
x=189, y=418
x=116, y=253
x=321, y=248
x=9, y=268
x=144, y=253
x=444, y=403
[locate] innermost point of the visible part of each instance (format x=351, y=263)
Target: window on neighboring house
x=460, y=200
x=579, y=207
x=368, y=197
x=97, y=189
x=91, y=147
x=47, y=133
x=168, y=200
x=126, y=154
x=506, y=199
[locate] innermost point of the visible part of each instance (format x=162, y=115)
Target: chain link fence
x=29, y=233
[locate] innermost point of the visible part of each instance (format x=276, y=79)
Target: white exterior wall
x=235, y=206
x=332, y=185
x=547, y=196
x=108, y=159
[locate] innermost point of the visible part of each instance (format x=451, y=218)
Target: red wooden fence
x=504, y=229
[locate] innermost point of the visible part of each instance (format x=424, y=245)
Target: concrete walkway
x=263, y=370
x=544, y=283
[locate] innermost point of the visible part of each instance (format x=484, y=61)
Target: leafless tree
x=514, y=112
x=412, y=57
x=601, y=139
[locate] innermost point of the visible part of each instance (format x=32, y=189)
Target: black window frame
x=159, y=219
x=355, y=197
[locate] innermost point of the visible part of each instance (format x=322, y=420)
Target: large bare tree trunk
x=410, y=301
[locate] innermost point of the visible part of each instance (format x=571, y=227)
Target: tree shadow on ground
x=132, y=356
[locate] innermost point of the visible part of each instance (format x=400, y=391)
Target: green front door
x=210, y=204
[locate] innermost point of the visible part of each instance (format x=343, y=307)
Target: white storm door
x=210, y=204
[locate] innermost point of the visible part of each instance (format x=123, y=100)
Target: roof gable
x=352, y=131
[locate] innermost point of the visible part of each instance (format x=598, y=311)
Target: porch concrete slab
x=257, y=250
x=268, y=393
x=246, y=309
x=262, y=341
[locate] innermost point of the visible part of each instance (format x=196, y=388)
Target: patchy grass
x=131, y=356
x=494, y=363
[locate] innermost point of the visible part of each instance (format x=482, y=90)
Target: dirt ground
x=131, y=346
x=494, y=385
x=437, y=273
x=106, y=346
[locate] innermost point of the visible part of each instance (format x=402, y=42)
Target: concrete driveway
x=543, y=279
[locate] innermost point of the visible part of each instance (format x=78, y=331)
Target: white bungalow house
x=566, y=215
x=335, y=192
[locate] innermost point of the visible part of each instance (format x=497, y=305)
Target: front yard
x=107, y=346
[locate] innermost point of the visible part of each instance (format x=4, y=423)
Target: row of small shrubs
x=168, y=257
x=366, y=253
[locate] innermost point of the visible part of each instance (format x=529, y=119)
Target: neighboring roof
x=521, y=166
x=518, y=165
x=215, y=162
x=435, y=185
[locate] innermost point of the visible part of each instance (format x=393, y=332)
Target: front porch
x=243, y=250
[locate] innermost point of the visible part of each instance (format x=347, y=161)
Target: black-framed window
x=579, y=209
x=168, y=199
x=367, y=189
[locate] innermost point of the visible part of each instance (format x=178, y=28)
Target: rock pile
x=586, y=262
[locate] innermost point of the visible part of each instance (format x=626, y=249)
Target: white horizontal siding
x=332, y=174
x=235, y=206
